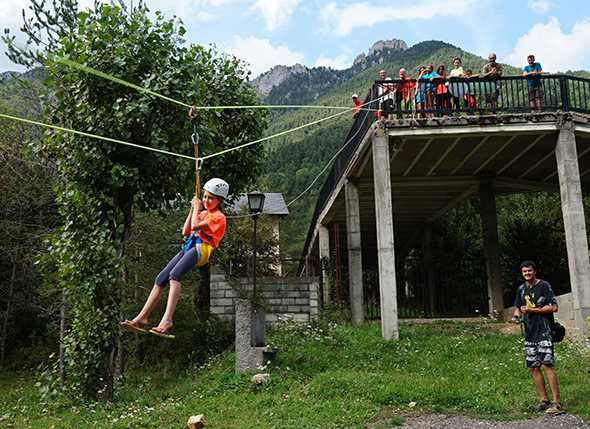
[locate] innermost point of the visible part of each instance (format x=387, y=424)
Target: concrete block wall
x=285, y=297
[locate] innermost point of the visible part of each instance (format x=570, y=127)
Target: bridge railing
x=512, y=94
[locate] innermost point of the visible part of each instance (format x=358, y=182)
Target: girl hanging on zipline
x=203, y=231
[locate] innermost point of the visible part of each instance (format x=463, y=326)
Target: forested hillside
x=294, y=161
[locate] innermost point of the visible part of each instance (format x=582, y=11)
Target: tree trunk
x=114, y=366
x=121, y=354
x=62, y=335
x=7, y=313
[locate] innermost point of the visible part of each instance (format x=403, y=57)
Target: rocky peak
x=7, y=75
x=378, y=52
x=264, y=83
x=393, y=44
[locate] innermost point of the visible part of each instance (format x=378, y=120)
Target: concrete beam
x=417, y=157
x=469, y=155
x=524, y=185
x=324, y=242
x=443, y=156
x=520, y=155
x=355, y=258
x=491, y=247
x=494, y=155
x=574, y=222
x=493, y=129
x=384, y=224
x=453, y=203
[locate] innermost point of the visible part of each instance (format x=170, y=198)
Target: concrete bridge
x=396, y=177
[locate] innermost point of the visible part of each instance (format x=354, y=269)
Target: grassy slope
x=294, y=161
x=327, y=376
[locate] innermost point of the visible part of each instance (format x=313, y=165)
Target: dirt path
x=441, y=421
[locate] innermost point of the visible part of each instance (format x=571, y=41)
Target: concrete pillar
x=384, y=224
x=248, y=358
x=428, y=264
x=572, y=208
x=491, y=247
x=355, y=259
x=324, y=239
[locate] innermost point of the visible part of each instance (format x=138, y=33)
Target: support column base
x=248, y=358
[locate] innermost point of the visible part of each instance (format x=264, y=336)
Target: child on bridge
x=203, y=231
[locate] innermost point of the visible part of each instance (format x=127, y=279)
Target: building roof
x=274, y=204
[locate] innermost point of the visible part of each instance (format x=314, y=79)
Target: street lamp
x=255, y=206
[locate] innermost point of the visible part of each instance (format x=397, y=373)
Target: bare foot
x=163, y=327
x=135, y=326
x=139, y=322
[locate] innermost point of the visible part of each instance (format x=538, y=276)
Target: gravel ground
x=441, y=421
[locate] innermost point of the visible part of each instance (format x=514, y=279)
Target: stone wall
x=285, y=297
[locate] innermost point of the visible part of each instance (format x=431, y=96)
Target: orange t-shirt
x=215, y=229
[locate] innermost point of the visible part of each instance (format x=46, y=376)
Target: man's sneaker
x=543, y=405
x=555, y=409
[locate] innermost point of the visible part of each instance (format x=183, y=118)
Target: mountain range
x=294, y=160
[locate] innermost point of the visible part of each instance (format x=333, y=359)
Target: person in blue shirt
x=533, y=72
x=430, y=87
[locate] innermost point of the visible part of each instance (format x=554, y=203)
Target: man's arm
x=546, y=309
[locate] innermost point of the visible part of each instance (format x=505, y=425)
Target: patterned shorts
x=537, y=354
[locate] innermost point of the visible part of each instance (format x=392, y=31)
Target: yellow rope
x=93, y=136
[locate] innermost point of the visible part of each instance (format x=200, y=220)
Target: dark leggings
x=178, y=266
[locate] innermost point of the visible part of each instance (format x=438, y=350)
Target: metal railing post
x=564, y=93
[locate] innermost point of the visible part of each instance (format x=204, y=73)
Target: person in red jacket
x=356, y=105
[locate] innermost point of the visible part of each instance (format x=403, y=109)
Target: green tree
x=102, y=183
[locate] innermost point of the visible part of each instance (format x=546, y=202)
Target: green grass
x=325, y=376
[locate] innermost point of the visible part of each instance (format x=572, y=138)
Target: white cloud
x=343, y=20
x=261, y=54
x=554, y=49
x=275, y=12
x=540, y=6
x=339, y=62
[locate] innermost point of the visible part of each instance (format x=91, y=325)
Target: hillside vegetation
x=294, y=160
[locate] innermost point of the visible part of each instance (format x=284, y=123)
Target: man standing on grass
x=536, y=303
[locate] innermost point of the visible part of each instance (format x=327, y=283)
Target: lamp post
x=255, y=206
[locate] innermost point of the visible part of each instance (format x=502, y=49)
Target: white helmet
x=217, y=187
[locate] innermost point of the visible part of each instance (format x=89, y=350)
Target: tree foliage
x=27, y=214
x=102, y=183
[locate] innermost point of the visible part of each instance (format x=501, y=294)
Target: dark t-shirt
x=537, y=327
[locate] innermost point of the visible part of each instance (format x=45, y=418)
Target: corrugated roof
x=274, y=204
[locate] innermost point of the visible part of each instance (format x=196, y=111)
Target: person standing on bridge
x=492, y=70
x=404, y=93
x=532, y=71
x=535, y=302
x=385, y=91
x=456, y=89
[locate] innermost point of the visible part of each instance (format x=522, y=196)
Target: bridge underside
x=432, y=174
x=437, y=164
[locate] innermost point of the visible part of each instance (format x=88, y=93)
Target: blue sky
x=333, y=32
